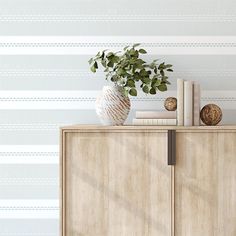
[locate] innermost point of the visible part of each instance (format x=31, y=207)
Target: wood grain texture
x=116, y=181
x=205, y=184
x=116, y=184
x=124, y=128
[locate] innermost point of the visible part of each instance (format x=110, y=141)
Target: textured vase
x=112, y=106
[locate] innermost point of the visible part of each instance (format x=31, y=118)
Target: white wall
x=45, y=82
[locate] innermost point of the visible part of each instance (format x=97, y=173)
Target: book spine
x=196, y=103
x=180, y=102
x=188, y=103
x=155, y=115
x=154, y=122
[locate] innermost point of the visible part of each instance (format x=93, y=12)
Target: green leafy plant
x=127, y=69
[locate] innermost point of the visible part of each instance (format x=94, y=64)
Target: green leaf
x=154, y=80
x=115, y=59
x=132, y=52
x=126, y=92
x=130, y=83
x=93, y=69
x=132, y=61
x=95, y=64
x=136, y=45
x=136, y=76
x=145, y=89
x=170, y=70
x=164, y=78
x=138, y=66
x=110, y=64
x=143, y=72
x=121, y=71
x=162, y=87
x=142, y=51
x=158, y=82
x=103, y=62
x=140, y=61
x=146, y=80
x=168, y=66
x=90, y=61
x=161, y=66
x=155, y=70
x=110, y=54
x=152, y=65
x=125, y=48
x=98, y=54
x=133, y=92
x=152, y=91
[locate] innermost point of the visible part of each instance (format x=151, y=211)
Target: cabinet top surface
x=150, y=128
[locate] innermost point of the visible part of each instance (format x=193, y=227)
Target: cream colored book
x=188, y=103
x=180, y=102
x=154, y=121
x=155, y=115
x=196, y=103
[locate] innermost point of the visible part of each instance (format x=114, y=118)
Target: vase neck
x=113, y=87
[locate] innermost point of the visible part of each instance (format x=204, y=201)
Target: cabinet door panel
x=205, y=184
x=117, y=184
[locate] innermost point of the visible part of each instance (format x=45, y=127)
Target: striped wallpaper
x=45, y=82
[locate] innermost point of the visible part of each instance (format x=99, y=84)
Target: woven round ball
x=170, y=104
x=211, y=114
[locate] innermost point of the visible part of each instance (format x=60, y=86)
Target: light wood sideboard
x=148, y=181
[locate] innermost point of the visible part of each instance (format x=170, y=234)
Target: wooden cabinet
x=205, y=184
x=116, y=181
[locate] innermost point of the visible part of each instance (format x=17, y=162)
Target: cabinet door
x=116, y=184
x=205, y=184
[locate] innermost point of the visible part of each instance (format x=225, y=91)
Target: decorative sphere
x=211, y=114
x=170, y=104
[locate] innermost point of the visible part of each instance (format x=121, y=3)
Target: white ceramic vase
x=112, y=106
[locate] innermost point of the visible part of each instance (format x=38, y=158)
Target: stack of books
x=188, y=103
x=155, y=118
x=188, y=108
